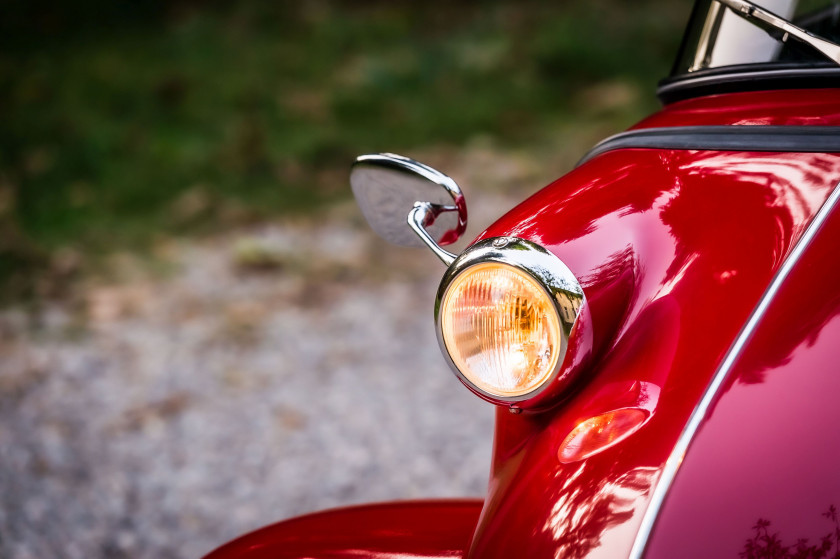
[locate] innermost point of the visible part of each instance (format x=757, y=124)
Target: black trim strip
x=800, y=139
x=747, y=77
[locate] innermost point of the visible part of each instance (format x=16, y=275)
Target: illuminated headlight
x=505, y=314
x=501, y=329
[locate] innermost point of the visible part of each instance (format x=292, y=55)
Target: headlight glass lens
x=501, y=329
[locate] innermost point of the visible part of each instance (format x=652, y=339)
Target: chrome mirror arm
x=770, y=21
x=423, y=214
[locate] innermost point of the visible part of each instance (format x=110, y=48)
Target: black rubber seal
x=796, y=139
x=747, y=77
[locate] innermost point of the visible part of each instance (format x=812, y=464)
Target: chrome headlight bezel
x=561, y=287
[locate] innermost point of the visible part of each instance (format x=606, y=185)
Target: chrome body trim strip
x=674, y=461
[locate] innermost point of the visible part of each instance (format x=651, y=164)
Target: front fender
x=674, y=249
x=417, y=529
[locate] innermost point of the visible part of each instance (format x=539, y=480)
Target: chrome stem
x=421, y=215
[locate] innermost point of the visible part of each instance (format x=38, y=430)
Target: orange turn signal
x=600, y=432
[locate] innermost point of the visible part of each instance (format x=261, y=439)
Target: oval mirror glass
x=387, y=187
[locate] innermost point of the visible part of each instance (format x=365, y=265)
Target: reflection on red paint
x=785, y=107
x=653, y=233
x=415, y=529
x=763, y=465
x=632, y=406
x=599, y=433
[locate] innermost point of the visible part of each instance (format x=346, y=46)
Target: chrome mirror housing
x=408, y=203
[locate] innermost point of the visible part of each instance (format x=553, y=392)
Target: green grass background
x=123, y=122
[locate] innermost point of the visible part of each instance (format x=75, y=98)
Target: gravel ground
x=272, y=372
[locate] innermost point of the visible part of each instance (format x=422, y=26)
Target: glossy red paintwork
x=809, y=107
x=674, y=250
x=419, y=529
x=770, y=449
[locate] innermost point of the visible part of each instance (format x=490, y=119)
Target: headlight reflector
x=501, y=329
x=512, y=321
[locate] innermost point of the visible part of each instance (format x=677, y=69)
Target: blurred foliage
x=125, y=120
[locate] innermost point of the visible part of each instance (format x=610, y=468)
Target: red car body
x=704, y=239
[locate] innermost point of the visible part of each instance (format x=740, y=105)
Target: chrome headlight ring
x=567, y=302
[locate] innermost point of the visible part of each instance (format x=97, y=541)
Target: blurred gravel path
x=275, y=372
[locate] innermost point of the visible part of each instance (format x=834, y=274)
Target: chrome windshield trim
x=672, y=465
x=707, y=37
x=770, y=22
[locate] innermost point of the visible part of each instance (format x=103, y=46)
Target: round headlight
x=501, y=329
x=506, y=309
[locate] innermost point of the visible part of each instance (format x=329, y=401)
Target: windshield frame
x=689, y=77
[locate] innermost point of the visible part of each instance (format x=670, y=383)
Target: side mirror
x=408, y=203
